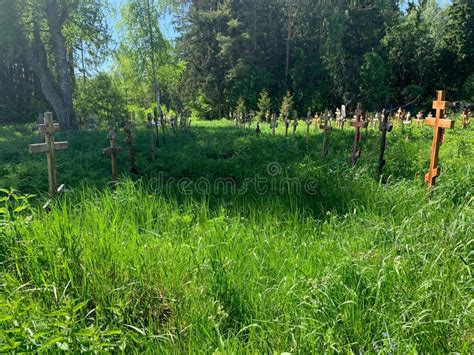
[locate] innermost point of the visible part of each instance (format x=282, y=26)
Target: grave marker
x=339, y=120
x=174, y=125
x=326, y=128
x=48, y=128
x=316, y=121
x=343, y=115
x=113, y=151
x=466, y=114
x=357, y=124
x=439, y=125
x=287, y=121
x=419, y=119
x=308, y=125
x=273, y=124
x=129, y=140
x=153, y=140
x=163, y=128
x=385, y=126
x=295, y=124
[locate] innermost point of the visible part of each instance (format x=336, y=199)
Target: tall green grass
x=360, y=266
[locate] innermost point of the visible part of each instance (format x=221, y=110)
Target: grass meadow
x=229, y=243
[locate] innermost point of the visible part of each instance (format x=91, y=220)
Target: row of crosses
x=439, y=124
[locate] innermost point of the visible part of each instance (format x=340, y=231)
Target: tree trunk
x=55, y=21
x=288, y=39
x=37, y=59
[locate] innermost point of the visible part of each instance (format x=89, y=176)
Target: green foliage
x=286, y=105
x=264, y=105
x=411, y=92
x=374, y=89
x=468, y=89
x=240, y=109
x=147, y=62
x=99, y=98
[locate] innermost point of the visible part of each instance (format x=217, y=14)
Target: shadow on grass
x=246, y=168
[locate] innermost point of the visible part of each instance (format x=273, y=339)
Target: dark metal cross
x=385, y=126
x=48, y=128
x=439, y=124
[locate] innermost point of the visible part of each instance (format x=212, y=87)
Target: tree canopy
x=324, y=54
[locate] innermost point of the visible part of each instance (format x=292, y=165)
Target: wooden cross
x=316, y=121
x=113, y=151
x=466, y=118
x=48, y=128
x=385, y=126
x=326, y=127
x=357, y=124
x=273, y=124
x=129, y=140
x=439, y=125
x=162, y=122
x=174, y=126
x=295, y=126
x=419, y=119
x=150, y=126
x=308, y=125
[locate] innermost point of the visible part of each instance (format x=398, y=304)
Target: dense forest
x=61, y=55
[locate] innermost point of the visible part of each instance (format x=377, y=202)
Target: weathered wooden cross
x=358, y=123
x=439, y=125
x=113, y=151
x=163, y=125
x=48, y=128
x=419, y=119
x=308, y=125
x=150, y=126
x=273, y=124
x=316, y=121
x=129, y=140
x=287, y=121
x=295, y=126
x=385, y=126
x=466, y=118
x=326, y=128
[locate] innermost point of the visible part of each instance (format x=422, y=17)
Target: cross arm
x=44, y=128
x=442, y=123
x=359, y=124
x=43, y=147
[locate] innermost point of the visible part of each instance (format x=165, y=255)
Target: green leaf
x=5, y=318
x=112, y=332
x=63, y=346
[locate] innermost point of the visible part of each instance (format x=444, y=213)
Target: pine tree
x=264, y=105
x=286, y=105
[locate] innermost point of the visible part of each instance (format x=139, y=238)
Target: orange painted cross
x=439, y=124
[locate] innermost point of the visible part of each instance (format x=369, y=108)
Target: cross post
x=113, y=151
x=358, y=123
x=385, y=126
x=326, y=128
x=129, y=140
x=308, y=125
x=439, y=124
x=48, y=128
